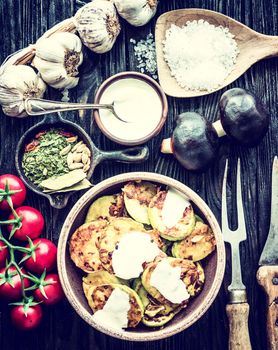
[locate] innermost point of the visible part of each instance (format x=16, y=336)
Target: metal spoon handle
x=37, y=106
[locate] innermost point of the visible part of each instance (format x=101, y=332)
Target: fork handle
x=267, y=277
x=238, y=323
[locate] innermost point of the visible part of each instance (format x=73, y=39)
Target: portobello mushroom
x=243, y=116
x=195, y=140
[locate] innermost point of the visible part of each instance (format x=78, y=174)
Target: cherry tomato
x=29, y=321
x=32, y=223
x=14, y=184
x=3, y=254
x=14, y=291
x=45, y=256
x=53, y=291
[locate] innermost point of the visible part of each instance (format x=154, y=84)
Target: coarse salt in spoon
x=253, y=46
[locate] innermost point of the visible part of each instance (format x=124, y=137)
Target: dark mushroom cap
x=194, y=141
x=243, y=116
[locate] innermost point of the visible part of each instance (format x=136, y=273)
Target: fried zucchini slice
x=199, y=244
x=137, y=196
x=182, y=228
x=155, y=314
x=158, y=320
x=152, y=307
x=98, y=296
x=99, y=277
x=141, y=291
x=195, y=287
x=158, y=240
x=191, y=275
x=112, y=235
x=106, y=207
x=198, y=218
x=83, y=245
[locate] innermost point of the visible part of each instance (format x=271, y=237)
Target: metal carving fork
x=237, y=308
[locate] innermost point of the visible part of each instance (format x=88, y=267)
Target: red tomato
x=14, y=184
x=14, y=291
x=29, y=321
x=3, y=254
x=32, y=223
x=53, y=291
x=45, y=256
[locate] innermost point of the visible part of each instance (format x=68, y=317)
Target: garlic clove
x=71, y=82
x=15, y=109
x=98, y=25
x=50, y=51
x=68, y=41
x=16, y=84
x=58, y=58
x=136, y=12
x=10, y=77
x=52, y=72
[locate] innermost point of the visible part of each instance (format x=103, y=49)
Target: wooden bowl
x=71, y=276
x=146, y=79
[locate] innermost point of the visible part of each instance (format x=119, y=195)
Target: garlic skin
x=98, y=25
x=16, y=84
x=136, y=12
x=58, y=58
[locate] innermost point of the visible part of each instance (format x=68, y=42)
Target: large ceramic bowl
x=71, y=276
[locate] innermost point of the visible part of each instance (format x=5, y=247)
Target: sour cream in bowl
x=138, y=100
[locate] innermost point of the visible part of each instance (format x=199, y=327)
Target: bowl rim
x=172, y=328
x=136, y=75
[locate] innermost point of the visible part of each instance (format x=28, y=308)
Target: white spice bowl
x=71, y=276
x=157, y=89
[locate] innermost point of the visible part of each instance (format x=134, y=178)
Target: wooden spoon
x=253, y=46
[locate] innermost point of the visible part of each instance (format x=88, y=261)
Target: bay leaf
x=82, y=185
x=63, y=181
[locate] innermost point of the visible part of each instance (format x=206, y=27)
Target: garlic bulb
x=16, y=84
x=136, y=12
x=98, y=25
x=58, y=58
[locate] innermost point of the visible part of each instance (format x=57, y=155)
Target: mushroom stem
x=219, y=128
x=166, y=146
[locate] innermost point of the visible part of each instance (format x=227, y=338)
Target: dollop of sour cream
x=173, y=207
x=136, y=102
x=166, y=279
x=115, y=312
x=133, y=249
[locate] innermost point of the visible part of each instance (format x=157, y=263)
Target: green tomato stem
x=8, y=222
x=21, y=275
x=14, y=247
x=6, y=194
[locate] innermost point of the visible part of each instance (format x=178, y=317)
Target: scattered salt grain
x=200, y=55
x=145, y=54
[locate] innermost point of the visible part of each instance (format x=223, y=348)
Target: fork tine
x=240, y=212
x=224, y=216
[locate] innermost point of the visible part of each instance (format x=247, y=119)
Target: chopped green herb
x=43, y=157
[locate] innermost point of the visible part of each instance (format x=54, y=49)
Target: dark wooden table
x=21, y=23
